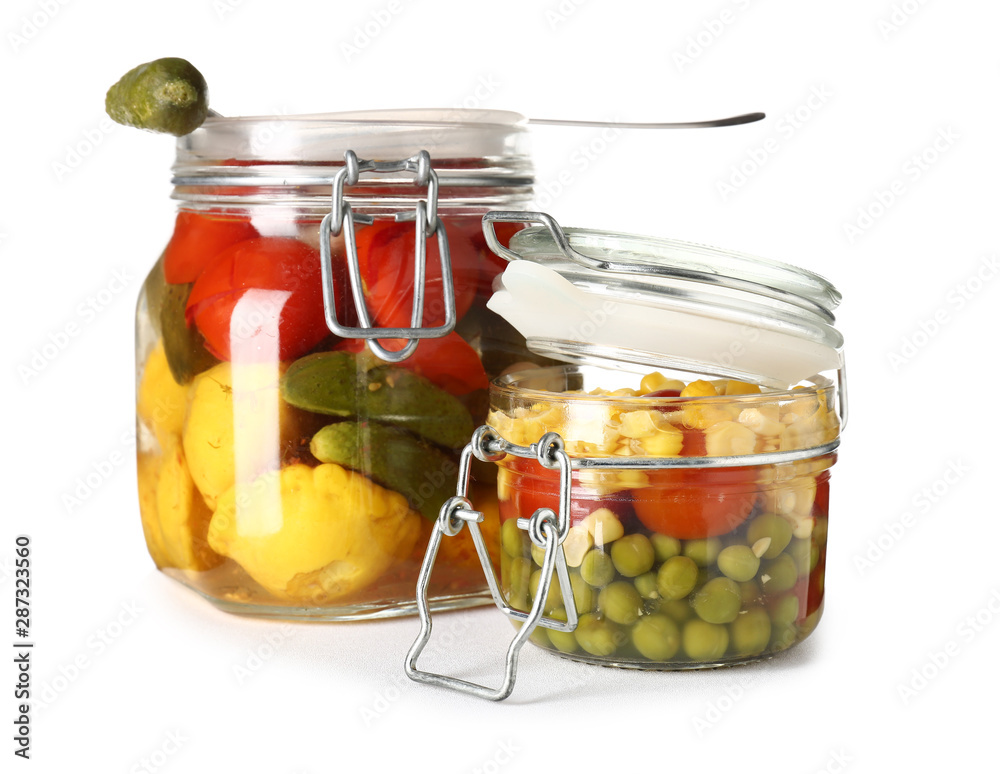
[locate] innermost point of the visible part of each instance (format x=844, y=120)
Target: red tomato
x=385, y=256
x=282, y=278
x=691, y=503
x=493, y=264
x=449, y=362
x=533, y=487
x=198, y=239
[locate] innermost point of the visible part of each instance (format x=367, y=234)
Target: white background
x=158, y=689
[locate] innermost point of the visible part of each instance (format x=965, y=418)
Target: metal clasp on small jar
x=427, y=224
x=546, y=529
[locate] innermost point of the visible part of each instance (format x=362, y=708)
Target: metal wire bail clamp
x=342, y=218
x=546, y=528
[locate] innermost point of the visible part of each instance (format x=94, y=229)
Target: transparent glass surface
x=671, y=568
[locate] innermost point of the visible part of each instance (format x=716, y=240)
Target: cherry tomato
x=282, y=276
x=493, y=264
x=198, y=239
x=690, y=503
x=449, y=362
x=385, y=257
x=532, y=487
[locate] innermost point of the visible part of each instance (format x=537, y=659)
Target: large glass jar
x=285, y=470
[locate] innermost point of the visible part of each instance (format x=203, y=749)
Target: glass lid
x=597, y=296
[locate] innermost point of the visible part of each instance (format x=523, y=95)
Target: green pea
x=583, y=594
x=678, y=609
x=540, y=636
x=783, y=637
x=664, y=546
x=519, y=574
x=703, y=641
x=632, y=555
x=779, y=574
x=563, y=641
x=513, y=540
x=597, y=568
x=738, y=562
x=718, y=601
x=784, y=611
x=598, y=636
x=703, y=552
x=750, y=632
x=656, y=637
x=645, y=584
x=620, y=602
x=770, y=525
x=553, y=599
x=800, y=549
x=677, y=577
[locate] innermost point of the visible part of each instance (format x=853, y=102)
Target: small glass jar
x=286, y=470
x=671, y=567
x=664, y=497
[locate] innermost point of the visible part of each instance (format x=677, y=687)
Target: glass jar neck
x=481, y=159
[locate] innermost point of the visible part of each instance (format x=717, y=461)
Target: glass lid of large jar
x=621, y=299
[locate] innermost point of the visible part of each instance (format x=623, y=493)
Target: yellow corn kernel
x=702, y=416
x=503, y=483
x=729, y=438
x=603, y=526
x=578, y=542
x=666, y=443
x=633, y=479
x=624, y=392
x=640, y=424
x=734, y=387
x=655, y=382
x=760, y=423
x=699, y=389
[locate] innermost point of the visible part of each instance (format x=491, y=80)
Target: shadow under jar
x=671, y=567
x=284, y=470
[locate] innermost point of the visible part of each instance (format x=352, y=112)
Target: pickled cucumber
x=395, y=459
x=184, y=346
x=339, y=384
x=166, y=95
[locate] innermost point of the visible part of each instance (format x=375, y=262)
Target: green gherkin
x=166, y=95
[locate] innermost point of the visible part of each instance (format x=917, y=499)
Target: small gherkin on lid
x=166, y=95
